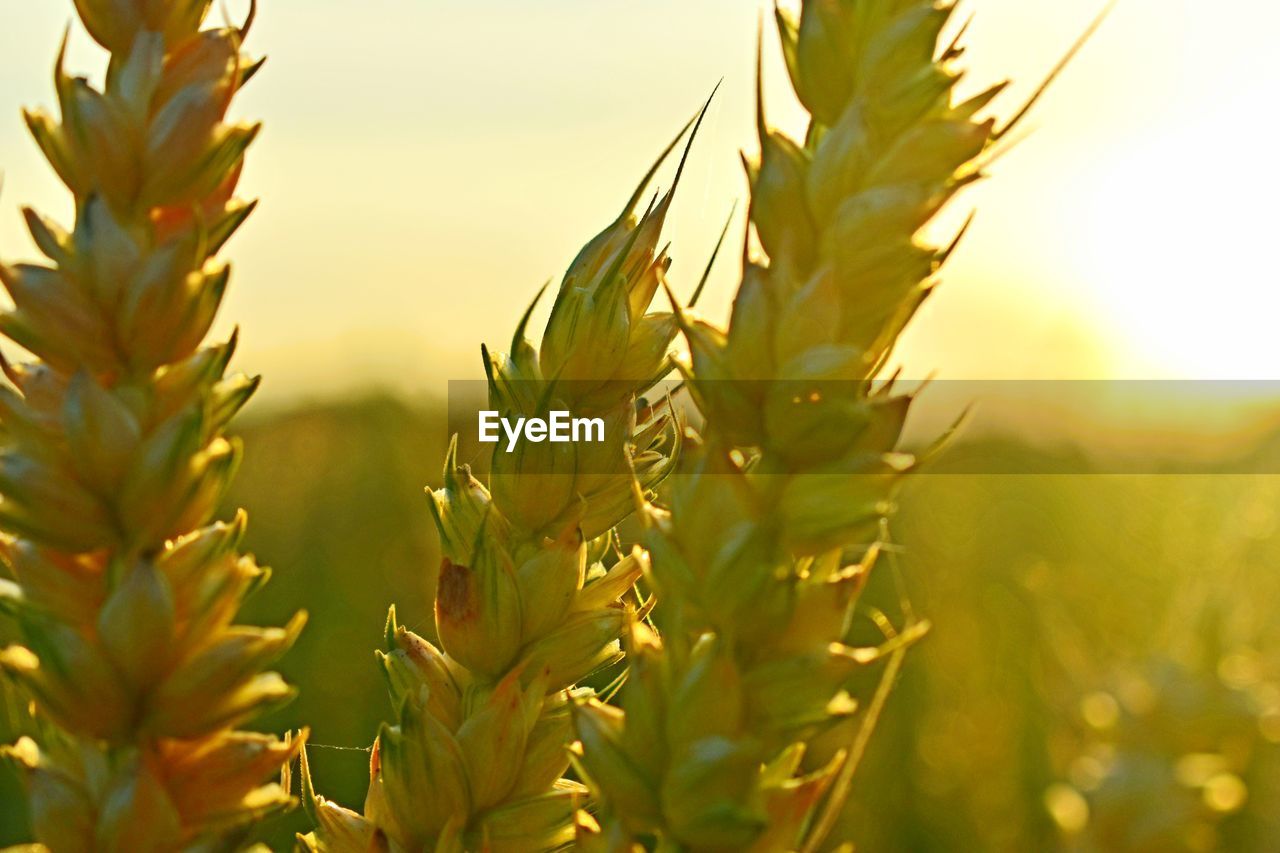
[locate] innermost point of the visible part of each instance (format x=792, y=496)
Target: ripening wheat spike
x=114, y=458
x=534, y=591
x=765, y=543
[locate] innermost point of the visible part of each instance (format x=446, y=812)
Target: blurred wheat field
x=1055, y=599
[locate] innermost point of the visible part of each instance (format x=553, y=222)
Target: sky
x=428, y=164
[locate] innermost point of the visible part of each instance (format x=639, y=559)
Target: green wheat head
x=534, y=591
x=760, y=554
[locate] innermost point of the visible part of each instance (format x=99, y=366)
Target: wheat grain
x=114, y=458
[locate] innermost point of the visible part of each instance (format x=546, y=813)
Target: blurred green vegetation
x=1093, y=636
x=1103, y=671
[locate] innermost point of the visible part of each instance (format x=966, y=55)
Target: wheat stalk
x=768, y=540
x=534, y=591
x=114, y=458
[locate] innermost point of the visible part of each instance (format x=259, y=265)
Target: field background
x=1043, y=589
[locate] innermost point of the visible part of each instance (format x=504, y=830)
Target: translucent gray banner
x=1006, y=427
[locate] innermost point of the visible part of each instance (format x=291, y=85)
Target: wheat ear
x=114, y=458
x=534, y=592
x=768, y=539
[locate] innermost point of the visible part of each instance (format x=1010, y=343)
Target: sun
x=1172, y=239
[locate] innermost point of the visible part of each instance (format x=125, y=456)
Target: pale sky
x=428, y=164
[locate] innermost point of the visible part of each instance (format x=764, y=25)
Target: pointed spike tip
x=391, y=629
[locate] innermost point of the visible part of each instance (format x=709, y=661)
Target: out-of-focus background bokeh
x=1104, y=669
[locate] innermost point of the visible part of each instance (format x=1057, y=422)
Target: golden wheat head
x=114, y=457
